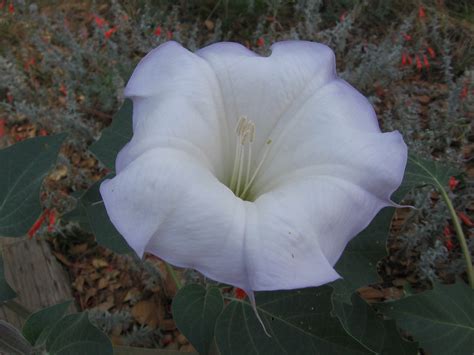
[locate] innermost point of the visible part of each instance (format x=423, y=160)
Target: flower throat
x=242, y=178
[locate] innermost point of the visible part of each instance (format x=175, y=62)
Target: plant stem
x=17, y=308
x=175, y=278
x=460, y=235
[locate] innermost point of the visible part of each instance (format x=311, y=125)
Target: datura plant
x=256, y=171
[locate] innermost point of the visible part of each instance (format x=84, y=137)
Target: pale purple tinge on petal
x=177, y=103
x=166, y=203
x=328, y=172
x=268, y=89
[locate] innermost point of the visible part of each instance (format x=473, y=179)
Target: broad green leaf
x=377, y=335
x=425, y=172
x=39, y=324
x=12, y=342
x=114, y=137
x=298, y=321
x=195, y=311
x=75, y=335
x=23, y=168
x=91, y=207
x=6, y=292
x=441, y=320
x=357, y=265
x=128, y=350
x=393, y=344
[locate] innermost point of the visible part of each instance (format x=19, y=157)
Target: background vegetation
x=63, y=66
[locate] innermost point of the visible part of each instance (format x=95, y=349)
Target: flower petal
x=336, y=134
x=304, y=227
x=327, y=160
x=166, y=203
x=264, y=89
x=176, y=103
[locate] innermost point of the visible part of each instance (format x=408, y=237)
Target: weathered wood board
x=35, y=275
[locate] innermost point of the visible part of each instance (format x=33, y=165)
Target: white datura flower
x=256, y=171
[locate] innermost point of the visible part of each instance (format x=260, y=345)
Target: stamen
x=249, y=184
x=245, y=131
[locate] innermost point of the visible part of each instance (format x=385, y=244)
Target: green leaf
x=90, y=212
x=39, y=324
x=441, y=319
x=12, y=342
x=357, y=265
x=299, y=322
x=128, y=350
x=377, y=335
x=6, y=292
x=24, y=166
x=114, y=137
x=92, y=207
x=75, y=335
x=195, y=310
x=425, y=172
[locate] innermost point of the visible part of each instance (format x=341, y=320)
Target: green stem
x=461, y=237
x=17, y=308
x=175, y=278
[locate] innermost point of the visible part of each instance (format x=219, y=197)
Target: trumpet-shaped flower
x=256, y=171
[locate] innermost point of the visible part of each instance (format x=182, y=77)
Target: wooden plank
x=35, y=275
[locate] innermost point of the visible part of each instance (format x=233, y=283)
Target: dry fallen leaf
x=146, y=313
x=78, y=249
x=209, y=25
x=103, y=283
x=99, y=263
x=59, y=173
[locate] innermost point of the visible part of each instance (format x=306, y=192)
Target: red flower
x=260, y=42
x=157, y=31
x=343, y=16
x=169, y=35
x=63, y=89
x=29, y=63
x=421, y=12
x=240, y=294
x=99, y=21
x=406, y=36
x=2, y=4
x=11, y=8
x=34, y=228
x=2, y=127
x=449, y=244
x=51, y=220
x=404, y=59
x=431, y=52
x=453, y=183
x=464, y=92
x=110, y=32
x=465, y=219
x=419, y=66
x=447, y=232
